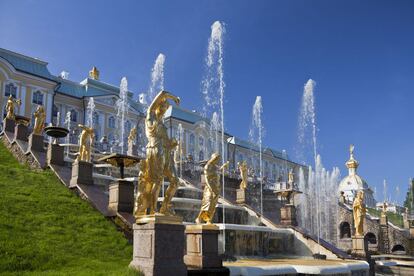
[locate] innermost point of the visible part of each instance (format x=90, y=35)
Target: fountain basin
x=120, y=160
x=56, y=132
x=21, y=120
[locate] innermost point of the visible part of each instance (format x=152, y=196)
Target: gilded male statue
x=159, y=147
x=359, y=211
x=211, y=190
x=85, y=143
x=40, y=116
x=10, y=107
x=243, y=174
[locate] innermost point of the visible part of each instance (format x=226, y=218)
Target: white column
x=49, y=106
x=102, y=123
x=23, y=99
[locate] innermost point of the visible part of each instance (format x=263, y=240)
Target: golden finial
x=94, y=73
x=352, y=163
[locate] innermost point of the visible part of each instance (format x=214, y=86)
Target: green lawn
x=47, y=229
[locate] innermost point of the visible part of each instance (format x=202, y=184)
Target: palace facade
x=29, y=79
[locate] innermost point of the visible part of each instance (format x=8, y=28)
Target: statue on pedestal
x=40, y=116
x=359, y=211
x=10, y=107
x=143, y=199
x=132, y=136
x=211, y=190
x=243, y=174
x=85, y=143
x=159, y=162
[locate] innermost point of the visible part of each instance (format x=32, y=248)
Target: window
x=111, y=122
x=55, y=110
x=73, y=115
x=11, y=89
x=127, y=126
x=192, y=139
x=201, y=156
x=38, y=98
x=200, y=141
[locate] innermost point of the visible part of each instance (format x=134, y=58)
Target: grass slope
x=46, y=229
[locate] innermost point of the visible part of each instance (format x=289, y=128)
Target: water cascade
x=180, y=147
x=121, y=112
x=256, y=137
x=157, y=77
x=68, y=125
x=90, y=109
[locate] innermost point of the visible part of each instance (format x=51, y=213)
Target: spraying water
x=256, y=137
x=320, y=185
x=68, y=125
x=90, y=109
x=213, y=85
x=122, y=111
x=157, y=77
x=214, y=132
x=180, y=149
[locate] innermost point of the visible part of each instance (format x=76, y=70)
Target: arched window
x=192, y=139
x=38, y=98
x=10, y=89
x=398, y=248
x=344, y=230
x=111, y=122
x=200, y=141
x=371, y=238
x=127, y=127
x=73, y=115
x=201, y=156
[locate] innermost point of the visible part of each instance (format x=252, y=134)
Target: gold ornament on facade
x=352, y=163
x=291, y=177
x=10, y=106
x=159, y=161
x=211, y=190
x=359, y=212
x=94, y=73
x=85, y=143
x=40, y=116
x=243, y=174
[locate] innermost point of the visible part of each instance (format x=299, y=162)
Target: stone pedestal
x=8, y=125
x=21, y=132
x=241, y=196
x=359, y=246
x=81, y=173
x=159, y=248
x=36, y=143
x=202, y=246
x=132, y=150
x=55, y=155
x=121, y=197
x=288, y=215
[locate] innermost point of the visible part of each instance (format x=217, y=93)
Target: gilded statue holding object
x=211, y=190
x=243, y=174
x=359, y=211
x=85, y=143
x=40, y=116
x=10, y=105
x=159, y=162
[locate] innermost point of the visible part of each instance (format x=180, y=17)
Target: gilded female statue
x=143, y=199
x=10, y=107
x=243, y=173
x=159, y=148
x=211, y=190
x=85, y=143
x=40, y=116
x=359, y=211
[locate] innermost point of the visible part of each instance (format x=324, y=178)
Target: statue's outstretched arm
x=162, y=96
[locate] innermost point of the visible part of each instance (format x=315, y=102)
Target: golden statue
x=143, y=200
x=243, y=173
x=359, y=211
x=132, y=136
x=94, y=73
x=291, y=177
x=40, y=116
x=159, y=162
x=10, y=107
x=85, y=143
x=211, y=190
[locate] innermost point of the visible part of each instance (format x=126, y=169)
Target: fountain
x=320, y=184
x=256, y=137
x=90, y=109
x=157, y=77
x=122, y=110
x=181, y=149
x=55, y=152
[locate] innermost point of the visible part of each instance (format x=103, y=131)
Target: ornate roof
x=353, y=181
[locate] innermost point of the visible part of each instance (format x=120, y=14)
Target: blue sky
x=360, y=53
